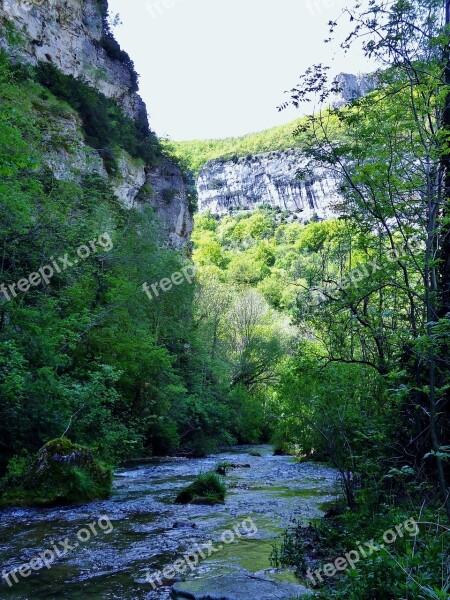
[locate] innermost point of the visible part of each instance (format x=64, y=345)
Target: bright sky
x=218, y=68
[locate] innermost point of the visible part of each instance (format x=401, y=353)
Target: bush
x=104, y=124
x=112, y=46
x=61, y=473
x=169, y=194
x=207, y=488
x=290, y=552
x=115, y=52
x=414, y=566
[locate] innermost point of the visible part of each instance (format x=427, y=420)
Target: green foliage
x=207, y=488
x=115, y=52
x=112, y=47
x=105, y=126
x=289, y=552
x=196, y=153
x=89, y=353
x=61, y=473
x=414, y=566
x=250, y=426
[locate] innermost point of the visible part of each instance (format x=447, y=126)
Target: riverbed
x=143, y=531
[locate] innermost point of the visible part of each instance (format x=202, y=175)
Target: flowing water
x=149, y=532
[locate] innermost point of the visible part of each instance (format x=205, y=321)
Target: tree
x=254, y=345
x=390, y=151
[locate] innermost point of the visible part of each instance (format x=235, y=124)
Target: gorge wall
x=73, y=36
x=279, y=179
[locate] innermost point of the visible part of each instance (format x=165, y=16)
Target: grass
x=207, y=488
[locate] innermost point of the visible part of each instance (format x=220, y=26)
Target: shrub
x=115, y=52
x=61, y=473
x=112, y=47
x=168, y=195
x=104, y=124
x=290, y=552
x=207, y=488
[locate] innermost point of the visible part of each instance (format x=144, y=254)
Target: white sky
x=218, y=68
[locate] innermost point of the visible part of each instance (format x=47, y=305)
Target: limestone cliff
x=352, y=87
x=278, y=179
x=73, y=35
x=70, y=34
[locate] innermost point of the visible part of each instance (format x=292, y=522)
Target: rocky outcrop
x=136, y=184
x=61, y=473
x=68, y=33
x=71, y=34
x=168, y=195
x=282, y=180
x=352, y=87
x=276, y=179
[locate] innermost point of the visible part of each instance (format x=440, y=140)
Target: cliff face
x=71, y=35
x=280, y=179
x=68, y=33
x=352, y=87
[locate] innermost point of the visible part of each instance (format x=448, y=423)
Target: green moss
x=207, y=488
x=61, y=473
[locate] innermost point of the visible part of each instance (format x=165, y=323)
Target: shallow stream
x=149, y=532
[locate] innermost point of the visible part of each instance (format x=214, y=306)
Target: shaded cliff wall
x=74, y=37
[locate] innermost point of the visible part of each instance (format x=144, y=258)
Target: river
x=143, y=531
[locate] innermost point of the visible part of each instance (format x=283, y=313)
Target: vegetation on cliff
x=330, y=338
x=85, y=351
x=194, y=154
x=104, y=124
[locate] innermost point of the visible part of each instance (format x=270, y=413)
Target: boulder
x=238, y=587
x=207, y=488
x=61, y=473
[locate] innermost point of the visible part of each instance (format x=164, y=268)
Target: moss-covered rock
x=207, y=488
x=61, y=473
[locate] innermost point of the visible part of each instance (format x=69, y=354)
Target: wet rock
x=222, y=468
x=256, y=454
x=240, y=486
x=237, y=587
x=184, y=525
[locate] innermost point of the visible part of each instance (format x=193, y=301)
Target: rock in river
x=237, y=587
